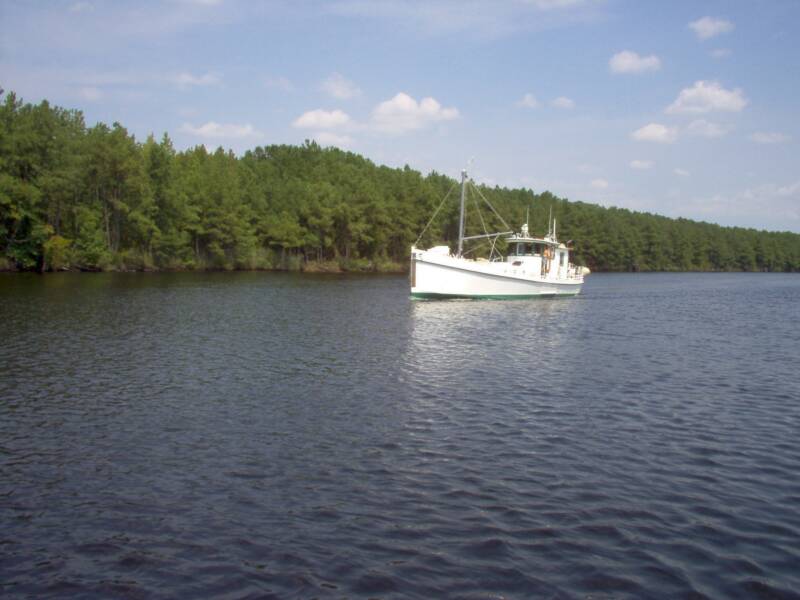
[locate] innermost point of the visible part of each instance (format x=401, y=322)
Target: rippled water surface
x=269, y=435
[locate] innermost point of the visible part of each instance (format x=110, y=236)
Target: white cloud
x=771, y=191
x=792, y=189
x=707, y=96
x=721, y=53
x=553, y=4
x=708, y=27
x=641, y=165
x=703, y=128
x=90, y=93
x=328, y=138
x=563, y=102
x=322, y=119
x=187, y=112
x=81, y=7
x=185, y=80
x=681, y=172
x=599, y=184
x=98, y=28
x=779, y=204
x=655, y=132
x=769, y=137
x=480, y=17
x=402, y=113
x=340, y=88
x=279, y=83
x=589, y=169
x=529, y=101
x=630, y=62
x=214, y=130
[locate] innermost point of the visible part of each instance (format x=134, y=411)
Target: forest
x=74, y=197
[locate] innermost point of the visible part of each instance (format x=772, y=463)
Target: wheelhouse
x=526, y=248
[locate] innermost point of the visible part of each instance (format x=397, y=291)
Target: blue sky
x=680, y=108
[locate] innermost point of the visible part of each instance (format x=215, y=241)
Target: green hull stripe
x=432, y=296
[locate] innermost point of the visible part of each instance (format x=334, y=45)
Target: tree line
x=94, y=198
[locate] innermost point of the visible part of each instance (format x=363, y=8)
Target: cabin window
x=561, y=258
x=519, y=249
x=523, y=249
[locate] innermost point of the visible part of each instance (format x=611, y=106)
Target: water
x=267, y=435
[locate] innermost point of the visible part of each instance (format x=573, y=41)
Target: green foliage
x=96, y=199
x=56, y=252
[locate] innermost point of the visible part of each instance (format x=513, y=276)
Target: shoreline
x=326, y=269
x=331, y=267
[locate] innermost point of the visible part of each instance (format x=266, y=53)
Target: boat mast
x=461, y=214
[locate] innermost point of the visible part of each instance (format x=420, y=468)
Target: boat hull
x=449, y=277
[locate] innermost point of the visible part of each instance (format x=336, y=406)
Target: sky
x=681, y=108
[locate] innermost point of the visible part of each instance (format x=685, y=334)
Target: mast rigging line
x=480, y=215
x=485, y=230
x=436, y=212
x=487, y=235
x=489, y=204
x=462, y=216
x=475, y=247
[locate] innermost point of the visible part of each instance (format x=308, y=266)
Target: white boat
x=534, y=266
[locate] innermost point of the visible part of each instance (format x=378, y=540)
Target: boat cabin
x=543, y=255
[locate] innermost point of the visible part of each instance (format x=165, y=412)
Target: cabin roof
x=531, y=240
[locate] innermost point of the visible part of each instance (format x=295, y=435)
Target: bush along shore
x=263, y=261
x=74, y=197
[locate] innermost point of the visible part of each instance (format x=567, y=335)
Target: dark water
x=263, y=435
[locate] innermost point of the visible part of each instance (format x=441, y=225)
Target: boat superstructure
x=533, y=266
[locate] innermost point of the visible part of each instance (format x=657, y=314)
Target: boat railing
x=575, y=273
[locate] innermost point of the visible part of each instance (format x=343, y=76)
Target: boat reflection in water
x=473, y=345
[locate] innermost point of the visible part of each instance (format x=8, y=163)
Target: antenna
x=468, y=168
